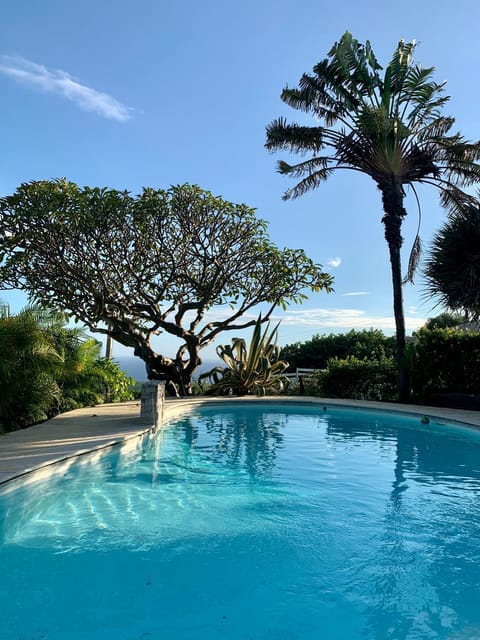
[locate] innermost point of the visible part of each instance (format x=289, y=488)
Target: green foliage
x=28, y=366
x=139, y=266
x=452, y=270
x=357, y=379
x=444, y=361
x=315, y=353
x=47, y=367
x=95, y=382
x=113, y=383
x=444, y=321
x=254, y=369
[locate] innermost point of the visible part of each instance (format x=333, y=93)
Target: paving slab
x=66, y=435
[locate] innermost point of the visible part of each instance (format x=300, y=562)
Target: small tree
x=136, y=267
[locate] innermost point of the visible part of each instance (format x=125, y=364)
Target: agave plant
x=254, y=369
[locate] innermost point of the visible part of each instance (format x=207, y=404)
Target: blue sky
x=152, y=93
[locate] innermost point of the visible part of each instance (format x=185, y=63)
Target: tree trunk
x=194, y=361
x=392, y=196
x=176, y=373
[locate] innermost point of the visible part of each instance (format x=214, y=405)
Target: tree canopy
x=135, y=267
x=444, y=320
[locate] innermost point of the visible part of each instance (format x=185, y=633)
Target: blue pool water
x=263, y=522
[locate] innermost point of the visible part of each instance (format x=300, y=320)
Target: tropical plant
x=47, y=367
x=386, y=124
x=136, y=267
x=452, y=269
x=110, y=381
x=29, y=364
x=88, y=379
x=254, y=369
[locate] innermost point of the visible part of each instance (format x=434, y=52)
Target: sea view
x=135, y=368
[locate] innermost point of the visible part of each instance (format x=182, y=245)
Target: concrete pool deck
x=92, y=428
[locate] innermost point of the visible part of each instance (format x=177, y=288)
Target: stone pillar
x=153, y=397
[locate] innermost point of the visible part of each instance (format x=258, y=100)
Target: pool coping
x=92, y=429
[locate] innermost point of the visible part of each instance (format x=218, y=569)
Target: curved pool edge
x=38, y=449
x=34, y=453
x=177, y=407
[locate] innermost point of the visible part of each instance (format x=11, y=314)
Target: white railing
x=300, y=372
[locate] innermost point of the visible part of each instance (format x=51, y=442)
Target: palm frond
x=384, y=126
x=308, y=167
x=452, y=272
x=454, y=200
x=413, y=260
x=307, y=184
x=293, y=137
x=352, y=73
x=433, y=130
x=416, y=250
x=400, y=64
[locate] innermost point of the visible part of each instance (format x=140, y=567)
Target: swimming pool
x=253, y=522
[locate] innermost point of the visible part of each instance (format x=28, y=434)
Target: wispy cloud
x=356, y=293
x=344, y=320
x=62, y=83
x=335, y=262
x=328, y=319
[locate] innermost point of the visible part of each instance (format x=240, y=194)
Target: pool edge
x=120, y=423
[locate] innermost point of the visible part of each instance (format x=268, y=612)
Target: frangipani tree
x=136, y=267
x=385, y=123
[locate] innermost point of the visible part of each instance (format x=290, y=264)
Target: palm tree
x=452, y=268
x=386, y=124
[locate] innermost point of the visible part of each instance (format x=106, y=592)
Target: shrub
x=358, y=379
x=444, y=361
x=316, y=352
x=97, y=382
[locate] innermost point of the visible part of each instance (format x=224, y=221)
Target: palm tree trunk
x=392, y=196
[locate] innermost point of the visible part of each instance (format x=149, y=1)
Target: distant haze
x=135, y=368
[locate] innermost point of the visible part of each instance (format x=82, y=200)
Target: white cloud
x=62, y=83
x=356, y=293
x=335, y=262
x=319, y=320
x=344, y=320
